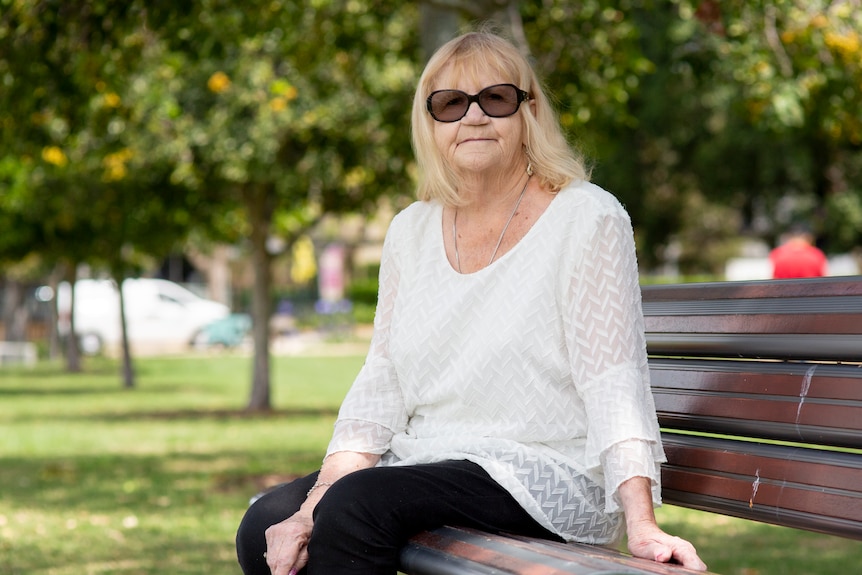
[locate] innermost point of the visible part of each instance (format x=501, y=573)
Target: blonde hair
x=553, y=160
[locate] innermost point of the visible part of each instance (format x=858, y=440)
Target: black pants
x=364, y=519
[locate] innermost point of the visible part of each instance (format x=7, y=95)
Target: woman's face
x=478, y=143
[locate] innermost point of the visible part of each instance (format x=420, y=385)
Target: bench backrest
x=768, y=377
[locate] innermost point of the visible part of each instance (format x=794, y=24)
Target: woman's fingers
x=286, y=546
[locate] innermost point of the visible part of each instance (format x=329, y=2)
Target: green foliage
x=248, y=99
x=746, y=111
x=786, y=90
x=63, y=120
x=142, y=116
x=363, y=290
x=363, y=312
x=122, y=117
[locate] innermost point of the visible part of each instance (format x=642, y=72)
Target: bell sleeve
x=373, y=410
x=607, y=346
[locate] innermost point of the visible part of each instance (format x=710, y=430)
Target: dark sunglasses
x=496, y=101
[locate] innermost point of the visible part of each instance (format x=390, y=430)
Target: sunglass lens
x=449, y=105
x=499, y=101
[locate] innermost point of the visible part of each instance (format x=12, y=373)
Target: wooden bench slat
x=818, y=404
x=835, y=381
x=793, y=324
x=712, y=504
x=768, y=497
x=809, y=422
x=763, y=310
x=763, y=289
x=833, y=347
x=835, y=470
x=800, y=412
x=461, y=551
x=756, y=319
x=782, y=411
x=775, y=431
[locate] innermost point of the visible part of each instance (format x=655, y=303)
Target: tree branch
x=774, y=41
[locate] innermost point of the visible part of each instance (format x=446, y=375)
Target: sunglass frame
x=521, y=96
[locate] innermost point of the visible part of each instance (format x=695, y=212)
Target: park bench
x=758, y=388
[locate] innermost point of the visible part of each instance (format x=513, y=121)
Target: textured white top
x=533, y=367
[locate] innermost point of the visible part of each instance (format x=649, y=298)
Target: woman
x=506, y=387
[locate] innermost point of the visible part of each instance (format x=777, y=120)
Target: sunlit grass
x=97, y=479
x=740, y=547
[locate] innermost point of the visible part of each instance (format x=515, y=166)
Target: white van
x=161, y=316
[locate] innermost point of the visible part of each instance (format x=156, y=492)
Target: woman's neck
x=482, y=192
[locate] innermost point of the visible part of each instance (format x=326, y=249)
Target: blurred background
x=254, y=152
x=234, y=166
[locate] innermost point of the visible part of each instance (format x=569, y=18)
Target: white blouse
x=534, y=367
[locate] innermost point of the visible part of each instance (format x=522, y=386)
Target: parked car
x=230, y=331
x=161, y=316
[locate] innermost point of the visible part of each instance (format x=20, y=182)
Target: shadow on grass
x=220, y=414
x=59, y=390
x=48, y=369
x=102, y=484
x=132, y=551
x=174, y=513
x=180, y=415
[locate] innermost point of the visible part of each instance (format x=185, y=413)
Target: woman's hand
x=287, y=544
x=646, y=539
x=650, y=542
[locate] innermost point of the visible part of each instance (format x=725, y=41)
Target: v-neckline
x=441, y=237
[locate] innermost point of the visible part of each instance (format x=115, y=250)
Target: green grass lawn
x=97, y=479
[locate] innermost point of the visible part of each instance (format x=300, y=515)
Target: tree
x=273, y=130
x=710, y=119
x=77, y=195
x=796, y=68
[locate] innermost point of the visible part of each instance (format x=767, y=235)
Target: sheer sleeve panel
x=625, y=460
x=605, y=336
x=373, y=410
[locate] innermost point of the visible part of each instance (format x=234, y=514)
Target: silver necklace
x=499, y=240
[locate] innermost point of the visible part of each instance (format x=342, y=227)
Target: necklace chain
x=499, y=240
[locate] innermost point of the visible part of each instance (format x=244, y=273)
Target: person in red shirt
x=798, y=257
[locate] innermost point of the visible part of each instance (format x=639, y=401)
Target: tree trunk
x=73, y=350
x=15, y=314
x=437, y=25
x=440, y=20
x=54, y=344
x=128, y=370
x=259, y=205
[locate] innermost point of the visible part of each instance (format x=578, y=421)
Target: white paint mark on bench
x=806, y=385
x=754, y=487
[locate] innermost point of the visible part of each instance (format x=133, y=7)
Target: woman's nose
x=475, y=114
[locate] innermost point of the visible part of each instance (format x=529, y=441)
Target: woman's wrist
x=636, y=501
x=317, y=485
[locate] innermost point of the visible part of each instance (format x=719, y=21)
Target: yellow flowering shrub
x=218, y=82
x=55, y=156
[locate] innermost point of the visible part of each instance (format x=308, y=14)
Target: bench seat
x=460, y=551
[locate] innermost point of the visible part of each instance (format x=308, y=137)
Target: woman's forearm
x=645, y=538
x=334, y=467
x=636, y=500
